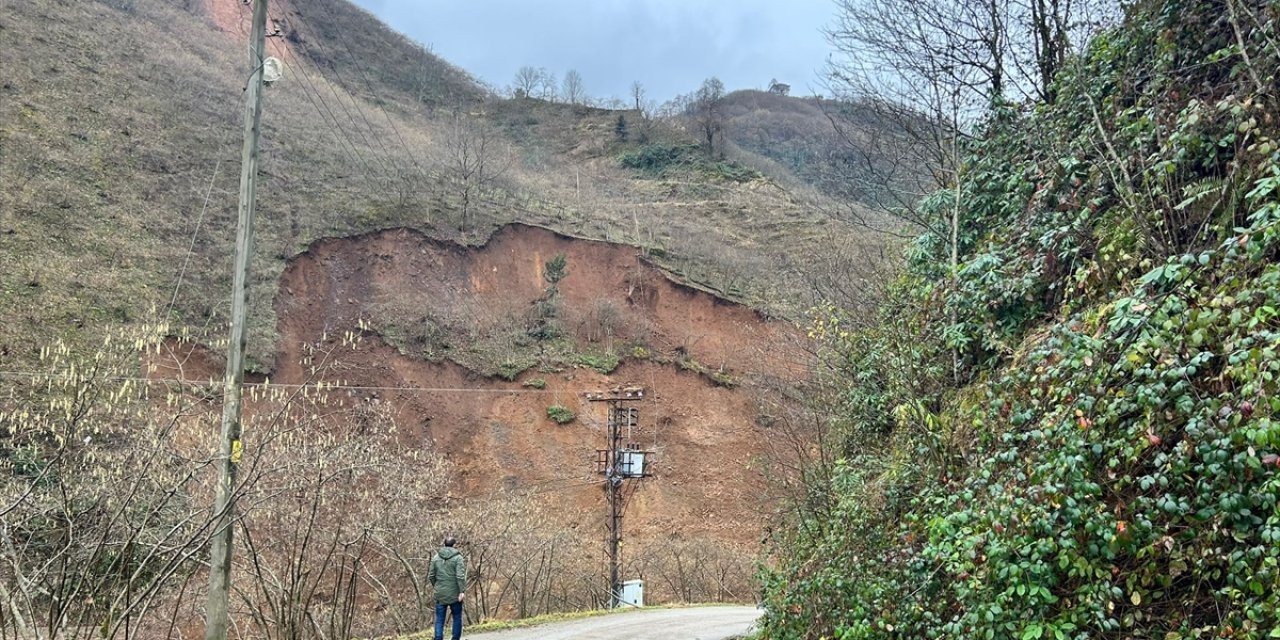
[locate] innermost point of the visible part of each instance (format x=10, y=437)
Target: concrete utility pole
x=216, y=614
x=616, y=463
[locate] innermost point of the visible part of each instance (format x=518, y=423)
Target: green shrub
x=604, y=363
x=655, y=160
x=561, y=414
x=723, y=379
x=535, y=383
x=511, y=370
x=661, y=160
x=689, y=363
x=1075, y=433
x=732, y=172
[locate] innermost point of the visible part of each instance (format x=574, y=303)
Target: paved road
x=696, y=623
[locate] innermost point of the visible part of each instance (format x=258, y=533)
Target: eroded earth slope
x=709, y=368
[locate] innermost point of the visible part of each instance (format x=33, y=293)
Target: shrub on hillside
x=604, y=363
x=561, y=414
x=658, y=160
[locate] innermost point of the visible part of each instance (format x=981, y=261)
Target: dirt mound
x=698, y=356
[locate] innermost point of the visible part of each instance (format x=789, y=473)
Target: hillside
x=712, y=369
x=828, y=145
x=794, y=132
x=1072, y=433
x=1055, y=414
x=416, y=357
x=689, y=348
x=131, y=137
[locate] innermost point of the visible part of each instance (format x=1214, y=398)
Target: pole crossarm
x=616, y=394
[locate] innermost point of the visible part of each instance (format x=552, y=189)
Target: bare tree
x=475, y=157
x=549, y=86
x=637, y=95
x=696, y=569
x=911, y=78
x=981, y=49
x=1050, y=31
x=100, y=524
x=517, y=562
x=572, y=89
x=918, y=72
x=707, y=109
x=527, y=83
x=326, y=546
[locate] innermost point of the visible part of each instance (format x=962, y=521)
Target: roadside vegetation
x=1063, y=420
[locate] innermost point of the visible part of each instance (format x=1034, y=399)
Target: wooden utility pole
x=216, y=614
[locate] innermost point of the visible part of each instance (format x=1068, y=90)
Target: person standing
x=448, y=576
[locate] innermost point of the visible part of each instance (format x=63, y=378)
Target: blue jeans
x=455, y=610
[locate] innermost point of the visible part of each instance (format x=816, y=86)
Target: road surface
x=695, y=623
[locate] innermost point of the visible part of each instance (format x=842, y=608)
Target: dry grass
x=115, y=115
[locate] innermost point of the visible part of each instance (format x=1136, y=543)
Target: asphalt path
x=694, y=623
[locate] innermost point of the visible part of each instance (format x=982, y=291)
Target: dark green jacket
x=448, y=575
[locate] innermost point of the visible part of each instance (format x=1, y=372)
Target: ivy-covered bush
x=1076, y=434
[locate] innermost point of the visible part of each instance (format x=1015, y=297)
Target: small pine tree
x=620, y=129
x=553, y=271
x=547, y=308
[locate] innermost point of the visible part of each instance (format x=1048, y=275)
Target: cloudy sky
x=670, y=46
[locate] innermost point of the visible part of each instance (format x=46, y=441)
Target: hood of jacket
x=447, y=553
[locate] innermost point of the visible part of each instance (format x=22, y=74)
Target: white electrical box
x=632, y=594
x=632, y=463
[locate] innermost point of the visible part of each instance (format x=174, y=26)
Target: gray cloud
x=668, y=45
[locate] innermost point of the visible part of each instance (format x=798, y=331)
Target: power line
x=304, y=43
x=355, y=125
x=195, y=233
x=212, y=181
x=319, y=386
x=186, y=261
x=322, y=107
x=369, y=86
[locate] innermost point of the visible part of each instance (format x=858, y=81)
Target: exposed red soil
x=235, y=17
x=705, y=436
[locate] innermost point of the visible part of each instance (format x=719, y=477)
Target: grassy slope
x=794, y=132
x=117, y=113
x=825, y=144
x=112, y=144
